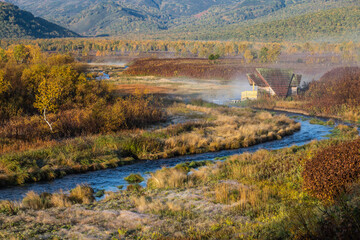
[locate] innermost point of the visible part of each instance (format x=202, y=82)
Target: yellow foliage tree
x=248, y=56
x=4, y=85
x=49, y=91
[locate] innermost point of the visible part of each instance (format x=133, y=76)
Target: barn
x=272, y=81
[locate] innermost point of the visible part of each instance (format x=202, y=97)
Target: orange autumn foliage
x=333, y=170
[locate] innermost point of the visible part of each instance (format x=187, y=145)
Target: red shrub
x=333, y=170
x=336, y=88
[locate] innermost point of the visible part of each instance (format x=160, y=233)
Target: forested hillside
x=339, y=24
x=16, y=23
x=203, y=19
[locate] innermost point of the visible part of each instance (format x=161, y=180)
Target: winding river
x=109, y=179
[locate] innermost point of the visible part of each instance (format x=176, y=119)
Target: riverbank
x=297, y=107
x=298, y=111
x=202, y=129
x=253, y=195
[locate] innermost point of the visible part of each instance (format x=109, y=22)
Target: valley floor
x=247, y=196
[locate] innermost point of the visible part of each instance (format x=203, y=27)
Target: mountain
x=338, y=24
x=187, y=19
x=16, y=23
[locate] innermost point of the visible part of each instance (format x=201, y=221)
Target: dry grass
x=249, y=196
x=34, y=201
x=82, y=194
x=60, y=200
x=168, y=178
x=125, y=89
x=230, y=129
x=201, y=129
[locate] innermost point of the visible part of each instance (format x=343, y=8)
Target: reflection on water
x=103, y=76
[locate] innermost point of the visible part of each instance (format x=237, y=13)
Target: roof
x=278, y=79
x=296, y=80
x=254, y=78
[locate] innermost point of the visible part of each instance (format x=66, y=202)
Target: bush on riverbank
x=134, y=178
x=82, y=194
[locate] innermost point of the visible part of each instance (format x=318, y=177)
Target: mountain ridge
x=17, y=23
x=169, y=17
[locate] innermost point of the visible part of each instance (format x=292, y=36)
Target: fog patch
x=225, y=91
x=113, y=63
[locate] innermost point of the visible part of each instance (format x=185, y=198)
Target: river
x=109, y=179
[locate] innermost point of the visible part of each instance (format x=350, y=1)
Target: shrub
x=336, y=89
x=140, y=145
x=332, y=171
x=8, y=208
x=60, y=200
x=134, y=178
x=168, y=178
x=100, y=193
x=133, y=188
x=82, y=194
x=35, y=201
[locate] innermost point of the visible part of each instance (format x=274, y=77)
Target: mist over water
x=112, y=63
x=228, y=90
x=231, y=90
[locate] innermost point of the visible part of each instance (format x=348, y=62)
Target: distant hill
x=198, y=19
x=16, y=23
x=339, y=24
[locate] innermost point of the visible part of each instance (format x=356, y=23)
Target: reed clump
x=81, y=194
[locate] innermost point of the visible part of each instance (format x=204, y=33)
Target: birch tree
x=49, y=92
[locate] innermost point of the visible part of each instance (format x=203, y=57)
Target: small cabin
x=272, y=81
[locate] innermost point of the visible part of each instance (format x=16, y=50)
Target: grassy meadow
x=201, y=129
x=261, y=195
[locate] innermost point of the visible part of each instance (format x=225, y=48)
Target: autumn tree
x=49, y=91
x=21, y=53
x=263, y=55
x=4, y=84
x=274, y=53
x=249, y=57
x=3, y=57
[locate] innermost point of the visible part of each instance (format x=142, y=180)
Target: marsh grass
x=320, y=122
x=35, y=201
x=168, y=178
x=82, y=194
x=9, y=207
x=221, y=128
x=256, y=195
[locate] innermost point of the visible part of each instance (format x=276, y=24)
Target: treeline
x=263, y=51
x=46, y=96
